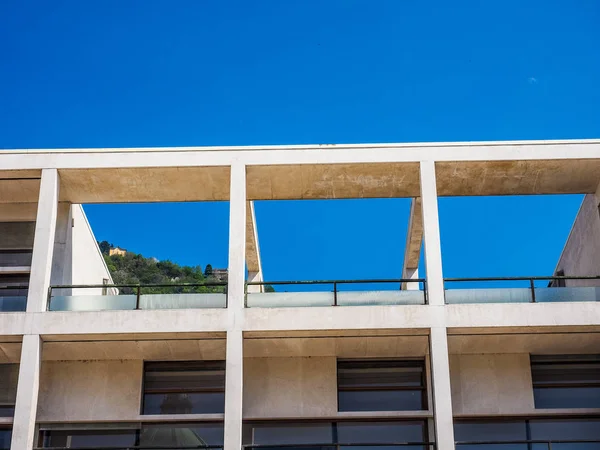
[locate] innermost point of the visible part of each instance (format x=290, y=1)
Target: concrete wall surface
x=88, y=263
x=83, y=390
x=290, y=387
x=581, y=254
x=491, y=384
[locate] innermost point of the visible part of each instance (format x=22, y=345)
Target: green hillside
x=133, y=268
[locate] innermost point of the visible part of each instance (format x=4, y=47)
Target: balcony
x=531, y=292
x=336, y=293
x=137, y=297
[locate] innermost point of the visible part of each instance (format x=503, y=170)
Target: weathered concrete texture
x=17, y=191
x=85, y=390
x=165, y=184
x=341, y=347
x=581, y=254
x=569, y=342
x=16, y=235
x=441, y=389
x=10, y=352
x=152, y=350
x=518, y=177
x=491, y=384
x=312, y=181
x=290, y=387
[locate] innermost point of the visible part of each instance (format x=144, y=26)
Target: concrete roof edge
x=299, y=147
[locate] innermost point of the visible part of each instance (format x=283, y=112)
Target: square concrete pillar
x=43, y=242
x=431, y=234
x=234, y=377
x=441, y=389
x=237, y=238
x=23, y=432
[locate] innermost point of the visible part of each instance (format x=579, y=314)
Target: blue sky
x=158, y=73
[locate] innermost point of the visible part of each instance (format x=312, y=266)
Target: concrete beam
x=23, y=431
x=43, y=243
x=253, y=261
x=414, y=240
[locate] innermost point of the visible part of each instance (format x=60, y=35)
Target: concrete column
x=237, y=237
x=253, y=261
x=431, y=233
x=62, y=260
x=412, y=250
x=234, y=373
x=43, y=243
x=441, y=390
x=235, y=308
x=23, y=433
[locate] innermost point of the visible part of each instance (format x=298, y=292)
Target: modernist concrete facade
x=85, y=368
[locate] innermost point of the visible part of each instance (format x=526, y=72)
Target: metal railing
x=341, y=446
x=136, y=289
x=134, y=447
x=530, y=282
x=12, y=299
x=528, y=443
x=336, y=283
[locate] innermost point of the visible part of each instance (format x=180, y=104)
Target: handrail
x=531, y=441
x=83, y=286
x=340, y=444
x=335, y=284
x=15, y=287
x=536, y=278
x=132, y=447
x=382, y=280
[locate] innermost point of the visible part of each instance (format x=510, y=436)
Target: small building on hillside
x=220, y=274
x=117, y=251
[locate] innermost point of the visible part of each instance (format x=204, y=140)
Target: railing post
x=334, y=293
x=532, y=284
x=137, y=298
x=49, y=298
x=549, y=445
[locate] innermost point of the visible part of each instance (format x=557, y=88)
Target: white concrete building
x=420, y=367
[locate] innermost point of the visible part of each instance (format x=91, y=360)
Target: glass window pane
x=181, y=435
x=565, y=429
x=90, y=438
x=194, y=403
x=9, y=375
x=377, y=373
x=380, y=400
x=289, y=433
x=567, y=397
x=490, y=431
x=5, y=437
x=380, y=432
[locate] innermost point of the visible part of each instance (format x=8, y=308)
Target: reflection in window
x=562, y=434
x=381, y=385
x=90, y=438
x=569, y=381
x=189, y=387
x=9, y=375
x=182, y=435
x=337, y=435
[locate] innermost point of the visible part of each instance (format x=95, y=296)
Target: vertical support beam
x=235, y=296
x=23, y=432
x=253, y=261
x=62, y=259
x=43, y=243
x=431, y=232
x=234, y=378
x=412, y=250
x=441, y=392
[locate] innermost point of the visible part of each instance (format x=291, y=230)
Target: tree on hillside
x=104, y=247
x=208, y=271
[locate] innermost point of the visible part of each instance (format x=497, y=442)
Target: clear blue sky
x=163, y=73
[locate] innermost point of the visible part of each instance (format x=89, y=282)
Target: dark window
x=561, y=433
x=90, y=438
x=9, y=375
x=569, y=381
x=5, y=437
x=167, y=436
x=190, y=387
x=381, y=385
x=349, y=435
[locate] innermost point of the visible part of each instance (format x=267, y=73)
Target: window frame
x=402, y=362
x=549, y=360
x=191, y=363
